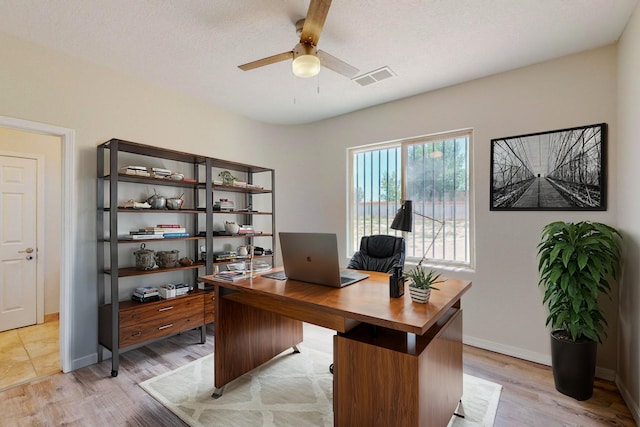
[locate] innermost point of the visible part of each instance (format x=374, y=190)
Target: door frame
x=40, y=245
x=68, y=238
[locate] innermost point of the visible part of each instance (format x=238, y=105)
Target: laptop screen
x=313, y=258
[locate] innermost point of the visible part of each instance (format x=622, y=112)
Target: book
x=145, y=232
x=165, y=230
x=135, y=297
x=169, y=226
x=144, y=290
x=230, y=276
x=142, y=236
x=170, y=235
x=167, y=171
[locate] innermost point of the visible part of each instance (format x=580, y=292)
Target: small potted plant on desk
x=576, y=263
x=421, y=283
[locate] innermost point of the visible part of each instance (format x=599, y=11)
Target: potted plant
x=576, y=263
x=421, y=283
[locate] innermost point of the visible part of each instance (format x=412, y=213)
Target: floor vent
x=374, y=76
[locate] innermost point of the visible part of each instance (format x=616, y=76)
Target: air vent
x=374, y=76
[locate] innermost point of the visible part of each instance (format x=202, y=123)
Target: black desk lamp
x=404, y=221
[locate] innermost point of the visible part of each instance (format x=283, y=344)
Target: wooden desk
x=406, y=371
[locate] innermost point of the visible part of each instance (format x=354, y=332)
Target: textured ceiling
x=195, y=46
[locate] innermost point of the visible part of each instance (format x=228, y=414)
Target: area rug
x=290, y=390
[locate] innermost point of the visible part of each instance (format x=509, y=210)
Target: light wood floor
x=89, y=396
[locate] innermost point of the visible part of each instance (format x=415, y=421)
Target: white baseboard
x=626, y=396
x=531, y=356
x=84, y=361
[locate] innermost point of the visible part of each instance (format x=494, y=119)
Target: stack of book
x=145, y=294
x=230, y=276
x=248, y=230
x=169, y=230
x=161, y=231
x=226, y=205
x=160, y=173
x=224, y=256
x=134, y=170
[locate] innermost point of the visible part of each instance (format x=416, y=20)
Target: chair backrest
x=378, y=253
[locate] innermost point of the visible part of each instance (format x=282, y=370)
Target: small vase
x=420, y=295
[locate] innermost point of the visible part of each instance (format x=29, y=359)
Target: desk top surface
x=366, y=301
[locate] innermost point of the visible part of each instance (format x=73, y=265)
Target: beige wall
x=628, y=176
x=503, y=311
x=45, y=86
x=49, y=148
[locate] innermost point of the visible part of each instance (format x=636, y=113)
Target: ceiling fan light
x=306, y=66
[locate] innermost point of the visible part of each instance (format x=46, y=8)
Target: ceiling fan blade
x=313, y=23
x=266, y=61
x=337, y=65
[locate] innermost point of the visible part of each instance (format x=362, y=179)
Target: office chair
x=377, y=253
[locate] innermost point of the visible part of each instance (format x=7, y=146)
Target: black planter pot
x=574, y=366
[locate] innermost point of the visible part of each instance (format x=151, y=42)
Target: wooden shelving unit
x=126, y=324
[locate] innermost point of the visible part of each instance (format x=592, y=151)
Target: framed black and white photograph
x=561, y=170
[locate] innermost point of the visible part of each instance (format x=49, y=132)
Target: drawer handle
x=166, y=308
x=137, y=334
x=165, y=326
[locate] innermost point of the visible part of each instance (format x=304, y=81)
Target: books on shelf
x=169, y=226
x=134, y=170
x=224, y=256
x=142, y=236
x=160, y=173
x=174, y=235
x=135, y=297
x=163, y=230
x=145, y=294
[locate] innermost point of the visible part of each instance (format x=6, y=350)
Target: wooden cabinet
x=124, y=323
x=139, y=323
x=386, y=377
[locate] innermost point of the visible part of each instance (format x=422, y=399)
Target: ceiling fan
x=307, y=59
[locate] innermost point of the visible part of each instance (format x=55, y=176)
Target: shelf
x=232, y=236
x=157, y=211
x=132, y=271
x=151, y=151
x=237, y=189
x=124, y=324
x=168, y=239
x=242, y=213
x=152, y=180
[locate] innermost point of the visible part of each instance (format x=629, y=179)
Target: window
x=432, y=171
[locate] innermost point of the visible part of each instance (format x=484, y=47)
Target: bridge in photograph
x=543, y=195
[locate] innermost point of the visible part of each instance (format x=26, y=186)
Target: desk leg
x=246, y=337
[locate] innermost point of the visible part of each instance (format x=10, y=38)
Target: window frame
x=403, y=144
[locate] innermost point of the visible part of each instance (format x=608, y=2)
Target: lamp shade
x=305, y=61
x=404, y=218
x=306, y=66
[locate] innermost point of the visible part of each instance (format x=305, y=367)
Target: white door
x=17, y=242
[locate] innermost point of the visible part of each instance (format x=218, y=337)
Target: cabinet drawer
x=159, y=328
x=209, y=307
x=161, y=310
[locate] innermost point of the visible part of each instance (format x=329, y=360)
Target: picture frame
x=561, y=170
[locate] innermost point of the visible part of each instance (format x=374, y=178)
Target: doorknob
x=28, y=250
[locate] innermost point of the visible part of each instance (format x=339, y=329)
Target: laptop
x=313, y=258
